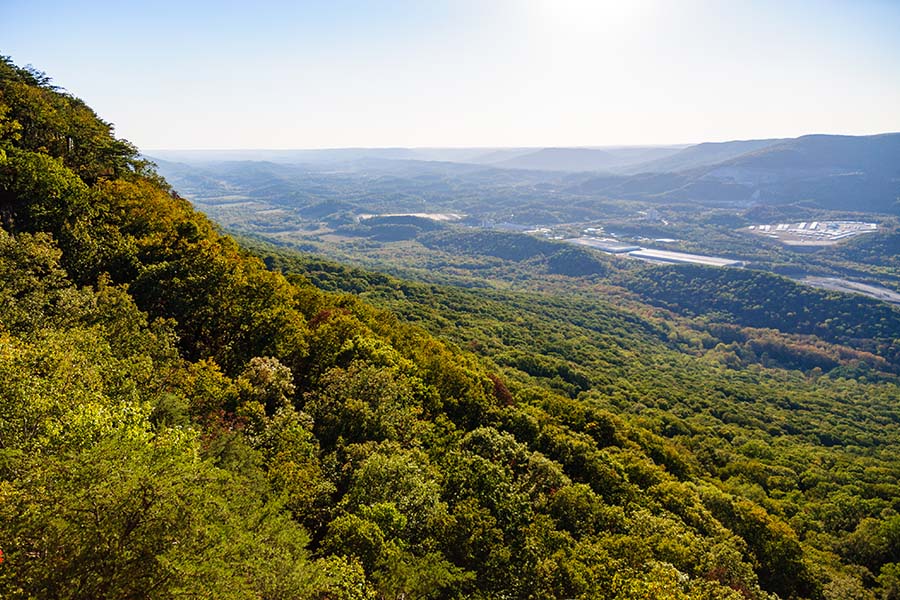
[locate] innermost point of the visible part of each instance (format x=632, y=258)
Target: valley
x=397, y=214
x=816, y=272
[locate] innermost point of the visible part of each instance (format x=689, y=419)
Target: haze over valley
x=384, y=207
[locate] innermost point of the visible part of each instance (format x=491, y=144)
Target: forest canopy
x=182, y=417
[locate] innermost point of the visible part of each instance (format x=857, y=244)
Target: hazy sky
x=280, y=74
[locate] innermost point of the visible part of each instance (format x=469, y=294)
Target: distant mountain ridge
x=700, y=155
x=829, y=171
x=874, y=153
x=586, y=159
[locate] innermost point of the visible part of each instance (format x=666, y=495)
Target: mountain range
x=860, y=173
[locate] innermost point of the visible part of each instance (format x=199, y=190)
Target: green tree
x=143, y=518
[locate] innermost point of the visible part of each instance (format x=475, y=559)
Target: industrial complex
x=606, y=245
x=667, y=256
x=611, y=246
x=813, y=233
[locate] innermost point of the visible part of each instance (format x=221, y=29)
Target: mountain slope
x=176, y=419
x=699, y=155
x=875, y=154
x=839, y=172
x=584, y=159
x=833, y=172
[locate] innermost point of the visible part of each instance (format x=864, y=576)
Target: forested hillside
x=763, y=300
x=181, y=418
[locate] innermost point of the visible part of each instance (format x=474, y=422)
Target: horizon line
x=501, y=147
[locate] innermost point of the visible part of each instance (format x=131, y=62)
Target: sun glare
x=591, y=16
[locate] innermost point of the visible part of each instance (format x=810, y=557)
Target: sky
x=463, y=73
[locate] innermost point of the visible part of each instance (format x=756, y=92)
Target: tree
x=144, y=518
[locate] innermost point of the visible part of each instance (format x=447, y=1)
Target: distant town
x=814, y=233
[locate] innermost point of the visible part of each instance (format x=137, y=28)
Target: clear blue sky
x=279, y=74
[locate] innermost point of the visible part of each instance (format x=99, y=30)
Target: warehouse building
x=665, y=256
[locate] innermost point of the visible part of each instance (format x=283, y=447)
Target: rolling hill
x=699, y=155
x=833, y=172
x=857, y=173
x=585, y=159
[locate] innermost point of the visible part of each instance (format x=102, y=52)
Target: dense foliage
x=759, y=299
x=178, y=420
